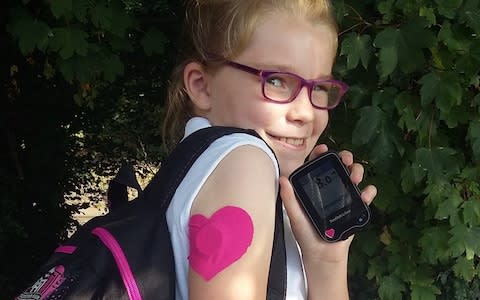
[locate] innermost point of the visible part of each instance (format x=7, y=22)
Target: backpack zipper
x=125, y=272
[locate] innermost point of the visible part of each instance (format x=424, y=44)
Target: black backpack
x=127, y=253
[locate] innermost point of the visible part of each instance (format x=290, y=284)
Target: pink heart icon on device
x=330, y=233
x=218, y=241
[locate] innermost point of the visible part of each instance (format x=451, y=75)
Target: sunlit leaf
x=444, y=88
x=471, y=211
x=434, y=244
x=420, y=292
x=465, y=268
x=464, y=240
x=436, y=162
x=357, y=49
x=391, y=287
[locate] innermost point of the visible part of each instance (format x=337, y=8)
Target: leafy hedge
x=413, y=116
x=86, y=79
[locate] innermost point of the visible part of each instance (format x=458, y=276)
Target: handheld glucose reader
x=330, y=199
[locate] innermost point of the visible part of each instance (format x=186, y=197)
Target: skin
x=233, y=98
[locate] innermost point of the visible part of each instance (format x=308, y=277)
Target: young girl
x=262, y=65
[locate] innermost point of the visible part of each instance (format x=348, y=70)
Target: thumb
x=295, y=212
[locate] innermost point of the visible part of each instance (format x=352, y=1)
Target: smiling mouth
x=290, y=141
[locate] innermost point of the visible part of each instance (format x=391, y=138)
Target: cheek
x=321, y=122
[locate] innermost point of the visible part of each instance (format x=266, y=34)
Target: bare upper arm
x=244, y=179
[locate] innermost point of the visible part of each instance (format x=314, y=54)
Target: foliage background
x=84, y=83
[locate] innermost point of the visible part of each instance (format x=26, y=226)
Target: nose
x=301, y=109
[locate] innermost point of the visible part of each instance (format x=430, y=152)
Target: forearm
x=327, y=280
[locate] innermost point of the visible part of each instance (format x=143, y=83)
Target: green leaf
x=79, y=9
x=464, y=240
x=470, y=14
x=69, y=41
x=473, y=136
x=465, y=268
x=389, y=196
x=367, y=241
x=449, y=207
x=101, y=15
x=444, y=88
x=408, y=110
x=448, y=8
x=387, y=41
x=435, y=162
x=420, y=292
x=403, y=46
x=408, y=179
x=471, y=211
x=386, y=9
x=60, y=8
x=384, y=146
x=31, y=33
x=429, y=14
x=434, y=244
x=371, y=119
x=357, y=48
x=391, y=287
x=82, y=68
x=154, y=42
x=453, y=39
x=376, y=268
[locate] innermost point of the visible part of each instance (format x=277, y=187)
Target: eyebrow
x=284, y=68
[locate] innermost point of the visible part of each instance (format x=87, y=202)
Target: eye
x=321, y=87
x=275, y=81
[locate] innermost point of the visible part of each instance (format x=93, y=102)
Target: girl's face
x=281, y=43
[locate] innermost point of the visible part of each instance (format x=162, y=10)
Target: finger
x=317, y=151
x=356, y=173
x=368, y=194
x=347, y=157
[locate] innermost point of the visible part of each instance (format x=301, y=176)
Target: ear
x=195, y=79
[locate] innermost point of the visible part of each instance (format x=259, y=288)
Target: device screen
x=327, y=188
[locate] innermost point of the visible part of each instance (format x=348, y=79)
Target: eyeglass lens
x=283, y=87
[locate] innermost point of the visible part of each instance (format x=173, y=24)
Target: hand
x=312, y=246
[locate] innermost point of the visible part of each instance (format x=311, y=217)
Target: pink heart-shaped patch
x=218, y=241
x=330, y=233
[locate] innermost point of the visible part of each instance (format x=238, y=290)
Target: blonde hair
x=224, y=27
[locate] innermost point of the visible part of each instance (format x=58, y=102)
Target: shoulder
x=243, y=174
x=243, y=185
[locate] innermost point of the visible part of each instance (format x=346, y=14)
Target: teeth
x=292, y=141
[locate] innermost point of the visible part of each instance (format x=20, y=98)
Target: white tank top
x=178, y=212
